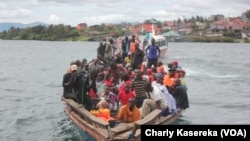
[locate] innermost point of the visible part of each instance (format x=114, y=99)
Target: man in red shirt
x=124, y=96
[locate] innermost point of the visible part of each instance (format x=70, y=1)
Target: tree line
x=40, y=32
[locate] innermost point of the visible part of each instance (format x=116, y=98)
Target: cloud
x=16, y=13
x=110, y=18
x=55, y=19
x=111, y=11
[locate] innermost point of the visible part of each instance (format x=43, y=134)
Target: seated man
x=180, y=95
x=128, y=113
x=156, y=100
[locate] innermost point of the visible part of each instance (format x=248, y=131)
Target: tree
x=248, y=14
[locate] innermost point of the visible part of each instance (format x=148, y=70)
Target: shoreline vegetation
x=67, y=33
x=200, y=29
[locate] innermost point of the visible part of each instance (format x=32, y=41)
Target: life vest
x=132, y=47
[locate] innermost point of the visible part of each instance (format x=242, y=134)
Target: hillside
x=7, y=25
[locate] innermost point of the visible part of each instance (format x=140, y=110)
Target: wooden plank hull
x=93, y=129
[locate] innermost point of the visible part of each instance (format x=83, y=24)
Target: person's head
x=114, y=90
x=126, y=38
x=99, y=78
x=181, y=73
x=170, y=64
x=131, y=103
x=111, y=41
x=102, y=104
x=101, y=68
x=138, y=74
x=158, y=78
x=175, y=64
x=101, y=43
x=124, y=77
x=177, y=82
x=136, y=46
x=129, y=69
x=133, y=37
x=68, y=70
x=96, y=60
x=107, y=88
x=84, y=61
x=154, y=70
x=86, y=67
x=171, y=72
x=159, y=63
x=129, y=55
x=113, y=66
x=93, y=74
x=148, y=86
x=153, y=41
x=118, y=55
x=126, y=87
x=73, y=68
x=149, y=71
x=78, y=63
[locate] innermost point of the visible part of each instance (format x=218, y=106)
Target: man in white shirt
x=156, y=100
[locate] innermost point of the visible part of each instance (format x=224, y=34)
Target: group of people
x=130, y=90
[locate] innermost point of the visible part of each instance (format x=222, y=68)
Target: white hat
x=74, y=67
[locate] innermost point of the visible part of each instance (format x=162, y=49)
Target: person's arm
x=159, y=51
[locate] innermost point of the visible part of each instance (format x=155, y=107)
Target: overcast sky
x=72, y=12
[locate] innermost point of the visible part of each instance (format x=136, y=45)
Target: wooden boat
x=94, y=129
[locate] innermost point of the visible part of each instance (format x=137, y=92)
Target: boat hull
x=163, y=52
x=93, y=129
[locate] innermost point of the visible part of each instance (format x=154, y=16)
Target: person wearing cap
x=171, y=108
x=175, y=65
x=67, y=81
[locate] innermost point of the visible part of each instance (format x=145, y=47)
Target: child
x=110, y=97
x=124, y=96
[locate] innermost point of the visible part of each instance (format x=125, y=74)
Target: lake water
x=217, y=76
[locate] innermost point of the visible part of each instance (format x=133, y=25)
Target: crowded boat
x=125, y=84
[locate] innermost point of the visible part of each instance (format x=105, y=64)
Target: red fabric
x=107, y=82
x=124, y=97
x=92, y=93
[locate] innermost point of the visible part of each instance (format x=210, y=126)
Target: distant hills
x=7, y=25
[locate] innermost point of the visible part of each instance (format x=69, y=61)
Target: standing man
x=125, y=47
x=132, y=45
x=153, y=53
x=84, y=86
x=137, y=58
x=101, y=51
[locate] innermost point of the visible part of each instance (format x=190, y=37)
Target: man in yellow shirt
x=128, y=113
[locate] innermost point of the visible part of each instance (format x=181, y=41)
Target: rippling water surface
x=218, y=79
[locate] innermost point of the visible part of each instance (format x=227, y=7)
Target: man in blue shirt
x=153, y=53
